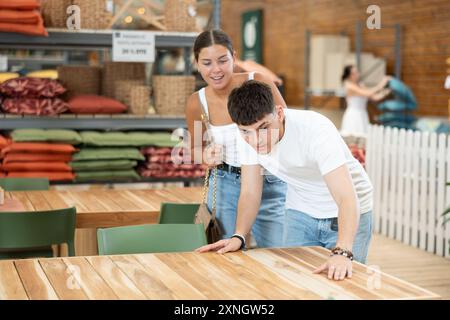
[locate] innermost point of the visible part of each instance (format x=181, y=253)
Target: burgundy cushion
x=28, y=87
x=32, y=106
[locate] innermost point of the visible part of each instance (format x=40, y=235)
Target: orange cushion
x=19, y=16
x=19, y=4
x=36, y=29
x=19, y=147
x=52, y=176
x=93, y=104
x=36, y=166
x=33, y=157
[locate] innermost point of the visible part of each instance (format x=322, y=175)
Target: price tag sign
x=133, y=46
x=3, y=63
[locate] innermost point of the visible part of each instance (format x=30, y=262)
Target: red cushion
x=33, y=157
x=20, y=16
x=52, y=176
x=93, y=104
x=33, y=106
x=36, y=166
x=29, y=87
x=35, y=29
x=19, y=147
x=19, y=4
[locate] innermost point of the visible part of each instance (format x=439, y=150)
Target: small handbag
x=212, y=226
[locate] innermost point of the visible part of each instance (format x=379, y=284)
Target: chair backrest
x=177, y=212
x=24, y=184
x=150, y=238
x=38, y=228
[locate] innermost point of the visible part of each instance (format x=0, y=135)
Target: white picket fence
x=409, y=170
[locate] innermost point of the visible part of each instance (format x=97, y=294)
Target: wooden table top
x=254, y=274
x=100, y=208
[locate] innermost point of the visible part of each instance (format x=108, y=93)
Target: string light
x=128, y=19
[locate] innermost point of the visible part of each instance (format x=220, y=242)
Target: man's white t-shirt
x=310, y=148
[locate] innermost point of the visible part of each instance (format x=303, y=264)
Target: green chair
x=22, y=230
x=24, y=184
x=177, y=212
x=150, y=238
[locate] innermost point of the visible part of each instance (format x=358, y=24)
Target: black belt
x=230, y=169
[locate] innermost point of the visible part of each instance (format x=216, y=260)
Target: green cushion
x=44, y=135
x=135, y=139
x=102, y=165
x=107, y=154
x=109, y=175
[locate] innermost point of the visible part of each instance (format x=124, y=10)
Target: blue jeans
x=303, y=230
x=268, y=227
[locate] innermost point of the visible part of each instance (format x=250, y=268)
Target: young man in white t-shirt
x=329, y=197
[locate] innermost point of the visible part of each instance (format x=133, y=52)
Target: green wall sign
x=251, y=35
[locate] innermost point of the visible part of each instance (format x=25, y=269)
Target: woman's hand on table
x=222, y=246
x=338, y=267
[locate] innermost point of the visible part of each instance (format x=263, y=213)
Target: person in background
x=355, y=121
x=215, y=58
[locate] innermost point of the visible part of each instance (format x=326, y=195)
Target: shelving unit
x=92, y=40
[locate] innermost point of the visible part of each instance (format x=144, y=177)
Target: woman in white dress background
x=355, y=121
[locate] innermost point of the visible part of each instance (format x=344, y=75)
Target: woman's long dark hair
x=347, y=72
x=209, y=38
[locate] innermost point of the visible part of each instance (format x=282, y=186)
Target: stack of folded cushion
x=113, y=156
x=106, y=164
x=21, y=16
x=167, y=162
x=33, y=96
x=40, y=153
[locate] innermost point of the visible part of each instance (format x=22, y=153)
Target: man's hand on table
x=338, y=267
x=222, y=246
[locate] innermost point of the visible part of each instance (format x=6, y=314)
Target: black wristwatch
x=240, y=237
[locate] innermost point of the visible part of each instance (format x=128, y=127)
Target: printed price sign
x=133, y=46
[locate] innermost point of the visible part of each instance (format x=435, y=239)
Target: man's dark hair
x=250, y=102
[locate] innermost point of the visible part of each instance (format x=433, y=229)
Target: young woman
x=355, y=121
x=215, y=59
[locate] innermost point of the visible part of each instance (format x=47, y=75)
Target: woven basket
x=115, y=71
x=178, y=15
x=139, y=100
x=54, y=12
x=93, y=14
x=80, y=80
x=171, y=93
x=122, y=89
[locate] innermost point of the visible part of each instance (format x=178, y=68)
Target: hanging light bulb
x=128, y=19
x=141, y=10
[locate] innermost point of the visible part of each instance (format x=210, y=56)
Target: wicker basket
x=93, y=14
x=179, y=15
x=122, y=89
x=171, y=93
x=54, y=12
x=80, y=80
x=139, y=100
x=115, y=71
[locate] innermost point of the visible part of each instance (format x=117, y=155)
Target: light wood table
x=102, y=208
x=107, y=208
x=255, y=274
